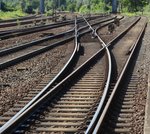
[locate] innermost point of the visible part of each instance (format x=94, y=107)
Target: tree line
x=32, y=6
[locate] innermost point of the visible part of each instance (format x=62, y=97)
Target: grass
x=136, y=14
x=145, y=13
x=9, y=15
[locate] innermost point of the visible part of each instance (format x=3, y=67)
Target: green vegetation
x=10, y=9
x=14, y=8
x=11, y=14
x=85, y=6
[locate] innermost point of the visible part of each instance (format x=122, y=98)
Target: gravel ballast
x=18, y=80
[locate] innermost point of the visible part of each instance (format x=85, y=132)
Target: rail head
x=101, y=103
x=13, y=119
x=120, y=79
x=53, y=25
x=29, y=44
x=10, y=126
x=28, y=110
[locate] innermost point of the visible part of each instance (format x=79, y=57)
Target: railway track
x=24, y=69
x=16, y=54
x=118, y=114
x=25, y=31
x=48, y=78
x=20, y=18
x=17, y=32
x=25, y=21
x=69, y=111
x=84, y=86
x=38, y=35
x=27, y=52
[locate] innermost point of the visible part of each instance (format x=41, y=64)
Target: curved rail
x=99, y=108
x=19, y=115
x=100, y=121
x=53, y=91
x=9, y=33
x=36, y=52
x=49, y=94
x=13, y=119
x=92, y=128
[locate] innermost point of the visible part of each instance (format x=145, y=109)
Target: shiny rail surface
x=53, y=91
x=108, y=78
x=26, y=107
x=93, y=122
x=69, y=32
x=24, y=31
x=123, y=103
x=11, y=61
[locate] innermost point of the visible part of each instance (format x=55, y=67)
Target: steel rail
x=22, y=22
x=108, y=45
x=40, y=28
x=120, y=78
x=16, y=48
x=29, y=44
x=50, y=93
x=20, y=18
x=11, y=121
x=35, y=52
x=69, y=62
x=32, y=54
x=100, y=106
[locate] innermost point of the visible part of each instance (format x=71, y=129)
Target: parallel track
x=98, y=78
x=117, y=116
x=48, y=80
x=20, y=18
x=72, y=108
x=29, y=50
x=33, y=92
x=25, y=21
x=24, y=31
x=69, y=111
x=98, y=96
